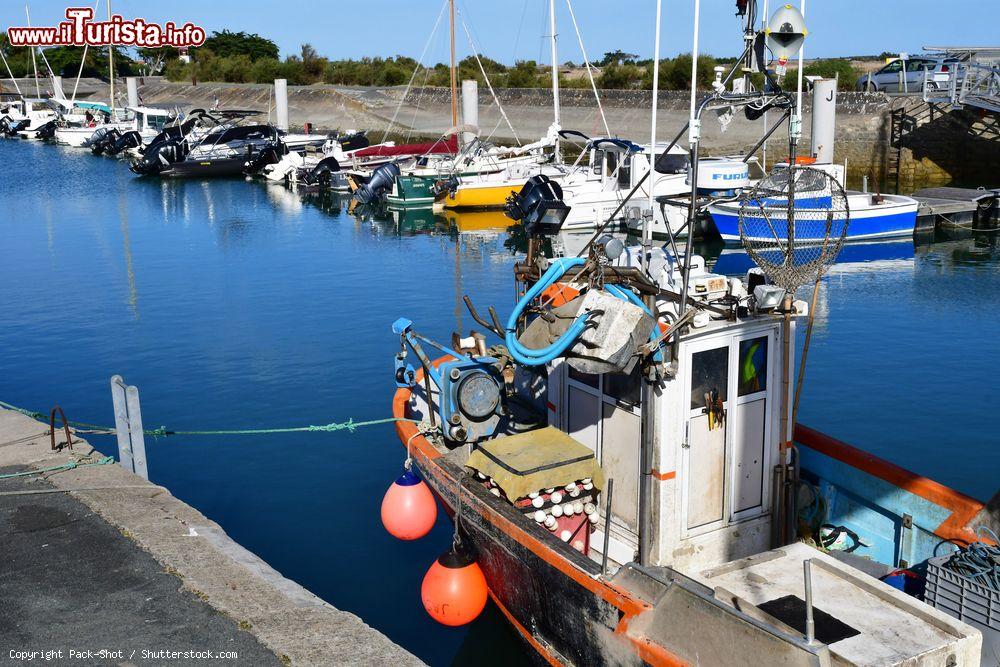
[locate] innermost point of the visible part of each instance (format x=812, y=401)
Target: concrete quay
x=101, y=567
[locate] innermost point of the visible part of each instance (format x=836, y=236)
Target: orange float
x=454, y=590
x=408, y=508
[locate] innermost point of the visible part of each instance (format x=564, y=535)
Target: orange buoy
x=454, y=590
x=408, y=507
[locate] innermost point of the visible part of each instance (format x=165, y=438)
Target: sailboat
x=625, y=473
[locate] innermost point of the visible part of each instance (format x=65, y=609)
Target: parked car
x=889, y=79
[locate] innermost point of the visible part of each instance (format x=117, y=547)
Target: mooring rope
x=70, y=465
x=350, y=425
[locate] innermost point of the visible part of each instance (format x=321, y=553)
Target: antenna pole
x=555, y=67
x=647, y=229
x=34, y=65
x=454, y=84
x=111, y=68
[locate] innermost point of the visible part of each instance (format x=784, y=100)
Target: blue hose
x=529, y=357
x=526, y=356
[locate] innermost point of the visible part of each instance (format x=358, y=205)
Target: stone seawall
x=939, y=146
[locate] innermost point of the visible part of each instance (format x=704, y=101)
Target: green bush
x=830, y=68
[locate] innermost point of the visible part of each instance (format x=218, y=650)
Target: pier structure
x=95, y=558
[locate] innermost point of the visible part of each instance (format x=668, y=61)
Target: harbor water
x=233, y=304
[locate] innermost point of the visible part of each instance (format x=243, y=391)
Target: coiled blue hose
x=529, y=357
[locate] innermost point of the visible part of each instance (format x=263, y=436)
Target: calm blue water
x=233, y=304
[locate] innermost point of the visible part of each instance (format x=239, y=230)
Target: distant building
x=183, y=54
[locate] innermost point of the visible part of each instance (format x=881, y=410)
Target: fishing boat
x=873, y=216
x=626, y=472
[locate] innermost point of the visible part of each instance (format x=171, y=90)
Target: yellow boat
x=483, y=196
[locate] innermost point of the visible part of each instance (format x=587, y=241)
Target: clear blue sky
x=512, y=29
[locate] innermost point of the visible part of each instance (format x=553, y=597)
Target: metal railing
x=969, y=84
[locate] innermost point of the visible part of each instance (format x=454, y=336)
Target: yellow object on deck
x=480, y=196
x=541, y=459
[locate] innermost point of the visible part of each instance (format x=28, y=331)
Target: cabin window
x=583, y=378
x=709, y=371
x=598, y=166
x=753, y=366
x=623, y=388
x=625, y=172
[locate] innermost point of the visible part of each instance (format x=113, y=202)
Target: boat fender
x=408, y=507
x=454, y=590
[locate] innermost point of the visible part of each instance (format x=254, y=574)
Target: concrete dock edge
x=299, y=627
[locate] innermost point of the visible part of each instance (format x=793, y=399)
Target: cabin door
x=726, y=457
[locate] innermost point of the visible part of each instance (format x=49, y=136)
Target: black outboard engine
x=101, y=139
x=379, y=185
x=352, y=142
x=131, y=139
x=269, y=154
x=46, y=131
x=155, y=160
x=322, y=173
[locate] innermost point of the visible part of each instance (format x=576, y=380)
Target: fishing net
x=794, y=244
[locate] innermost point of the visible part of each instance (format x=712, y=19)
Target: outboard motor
x=270, y=154
x=322, y=173
x=131, y=139
x=46, y=131
x=101, y=139
x=379, y=185
x=153, y=161
x=353, y=142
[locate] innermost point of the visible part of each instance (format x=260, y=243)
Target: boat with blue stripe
x=873, y=216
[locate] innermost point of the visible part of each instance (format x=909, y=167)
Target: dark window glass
x=625, y=172
x=584, y=378
x=598, y=162
x=753, y=365
x=709, y=371
x=624, y=388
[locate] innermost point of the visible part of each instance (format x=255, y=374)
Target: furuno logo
x=79, y=29
x=731, y=176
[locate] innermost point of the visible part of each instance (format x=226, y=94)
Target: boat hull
x=892, y=220
x=205, y=168
x=412, y=191
x=480, y=197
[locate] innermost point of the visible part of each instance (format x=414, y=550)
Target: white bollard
x=128, y=427
x=470, y=107
x=281, y=103
x=824, y=119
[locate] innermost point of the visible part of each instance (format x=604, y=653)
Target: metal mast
x=454, y=85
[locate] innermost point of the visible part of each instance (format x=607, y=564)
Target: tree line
x=239, y=57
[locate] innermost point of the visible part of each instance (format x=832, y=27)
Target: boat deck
x=863, y=621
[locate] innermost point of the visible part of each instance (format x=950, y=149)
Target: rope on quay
x=70, y=465
x=350, y=425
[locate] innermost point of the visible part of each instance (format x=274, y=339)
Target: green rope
x=107, y=460
x=350, y=425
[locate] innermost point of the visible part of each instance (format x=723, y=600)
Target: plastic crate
x=966, y=600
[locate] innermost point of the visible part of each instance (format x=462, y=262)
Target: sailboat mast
x=555, y=61
x=111, y=67
x=34, y=65
x=454, y=83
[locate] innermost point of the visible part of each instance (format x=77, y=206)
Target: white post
x=128, y=427
x=281, y=102
x=694, y=131
x=824, y=119
x=470, y=107
x=132, y=86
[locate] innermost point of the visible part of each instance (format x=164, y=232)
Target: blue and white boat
x=873, y=216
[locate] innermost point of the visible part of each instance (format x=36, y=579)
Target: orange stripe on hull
x=963, y=508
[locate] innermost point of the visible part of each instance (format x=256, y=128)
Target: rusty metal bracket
x=52, y=429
